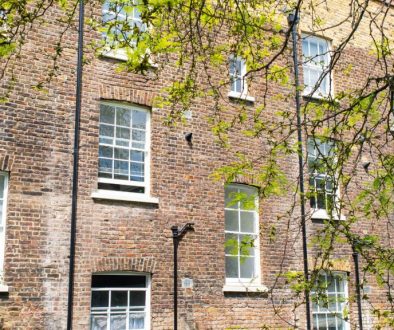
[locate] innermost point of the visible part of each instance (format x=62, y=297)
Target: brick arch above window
x=245, y=180
x=116, y=93
x=132, y=264
x=334, y=265
x=6, y=162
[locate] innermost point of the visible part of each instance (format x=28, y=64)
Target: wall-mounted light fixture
x=366, y=166
x=189, y=137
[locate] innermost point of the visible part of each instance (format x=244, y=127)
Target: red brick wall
x=36, y=140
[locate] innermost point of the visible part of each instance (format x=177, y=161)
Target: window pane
x=340, y=323
x=233, y=66
x=321, y=321
x=98, y=322
x=313, y=202
x=332, y=302
x=238, y=85
x=2, y=186
x=330, y=202
x=138, y=145
x=307, y=80
x=139, y=119
x=107, y=16
x=105, y=152
x=324, y=85
x=137, y=298
x=107, y=114
x=313, y=50
x=305, y=49
x=330, y=284
x=121, y=170
x=138, y=135
x=248, y=222
x=247, y=267
x=137, y=156
x=122, y=117
x=123, y=133
x=340, y=283
x=322, y=282
x=320, y=183
x=231, y=220
x=314, y=303
x=239, y=64
x=314, y=76
x=229, y=198
x=106, y=130
x=121, y=153
x=329, y=185
x=118, y=298
x=247, y=245
x=311, y=148
x=137, y=178
x=232, y=267
x=321, y=202
x=122, y=143
x=231, y=244
x=137, y=169
x=99, y=298
x=105, y=165
x=249, y=200
x=323, y=53
x=331, y=322
x=315, y=322
x=118, y=322
x=137, y=321
x=106, y=140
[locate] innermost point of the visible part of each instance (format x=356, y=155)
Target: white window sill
x=3, y=288
x=316, y=95
x=117, y=54
x=124, y=196
x=121, y=55
x=244, y=287
x=241, y=96
x=321, y=214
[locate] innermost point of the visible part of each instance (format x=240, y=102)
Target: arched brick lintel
x=136, y=96
x=134, y=264
x=6, y=162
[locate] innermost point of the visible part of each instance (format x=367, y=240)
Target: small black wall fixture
x=177, y=235
x=189, y=137
x=366, y=166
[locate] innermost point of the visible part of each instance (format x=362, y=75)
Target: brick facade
x=36, y=139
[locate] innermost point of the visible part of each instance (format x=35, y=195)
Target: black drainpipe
x=75, y=167
x=293, y=21
x=358, y=291
x=177, y=235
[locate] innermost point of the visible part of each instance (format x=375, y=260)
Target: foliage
x=198, y=37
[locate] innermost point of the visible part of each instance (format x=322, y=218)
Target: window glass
x=3, y=202
x=119, y=302
x=241, y=233
x=316, y=60
x=121, y=19
x=237, y=75
x=123, y=146
x=321, y=178
x=329, y=301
